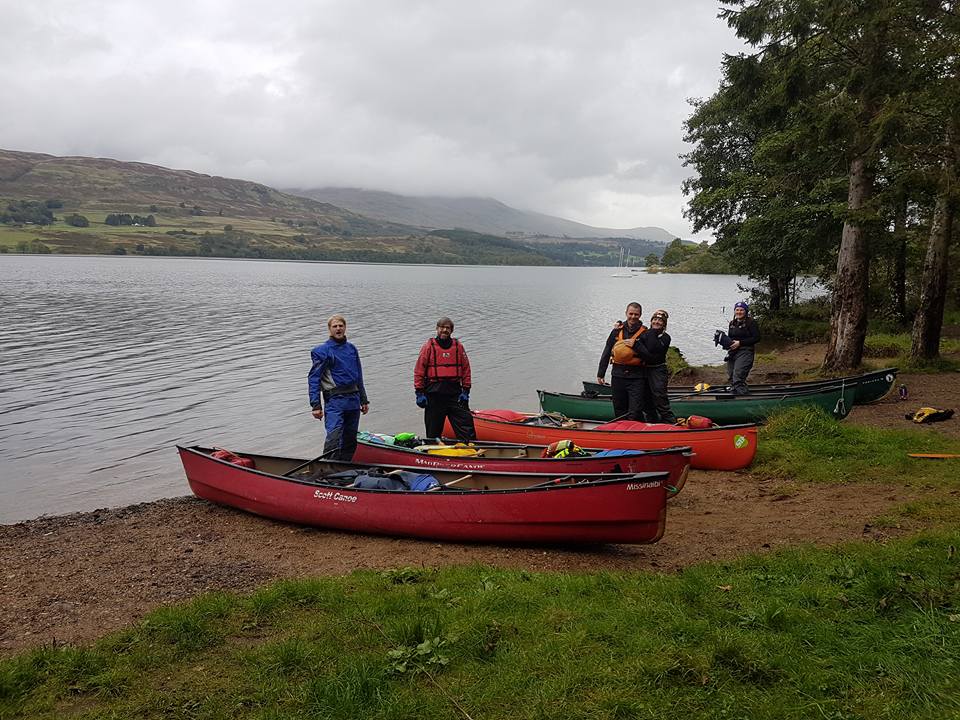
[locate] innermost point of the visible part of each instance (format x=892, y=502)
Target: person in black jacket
x=652, y=348
x=744, y=333
x=628, y=379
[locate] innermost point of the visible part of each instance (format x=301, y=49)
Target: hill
x=101, y=184
x=81, y=205
x=483, y=215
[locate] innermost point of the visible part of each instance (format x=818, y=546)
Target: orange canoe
x=728, y=447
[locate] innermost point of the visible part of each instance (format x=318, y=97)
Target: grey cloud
x=561, y=107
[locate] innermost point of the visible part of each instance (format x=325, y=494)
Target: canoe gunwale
x=629, y=508
x=873, y=377
x=592, y=479
x=748, y=407
x=672, y=450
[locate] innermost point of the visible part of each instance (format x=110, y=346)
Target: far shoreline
x=642, y=270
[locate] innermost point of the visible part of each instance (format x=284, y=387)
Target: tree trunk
x=786, y=283
x=775, y=293
x=848, y=319
x=925, y=339
x=900, y=261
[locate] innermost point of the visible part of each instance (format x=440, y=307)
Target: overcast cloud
x=569, y=108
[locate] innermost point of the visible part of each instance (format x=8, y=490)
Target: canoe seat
x=458, y=450
x=457, y=481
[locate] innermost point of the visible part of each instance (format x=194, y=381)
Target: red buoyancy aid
x=444, y=364
x=623, y=355
x=234, y=458
x=503, y=415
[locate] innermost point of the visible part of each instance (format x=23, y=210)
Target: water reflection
x=109, y=362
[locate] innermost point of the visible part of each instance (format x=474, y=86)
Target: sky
x=573, y=109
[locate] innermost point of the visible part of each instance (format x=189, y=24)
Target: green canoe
x=870, y=387
x=725, y=409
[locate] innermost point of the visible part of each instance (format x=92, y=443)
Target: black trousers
x=628, y=392
x=439, y=408
x=738, y=368
x=656, y=401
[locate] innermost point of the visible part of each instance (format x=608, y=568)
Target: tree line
x=831, y=148
x=35, y=212
x=688, y=257
x=128, y=219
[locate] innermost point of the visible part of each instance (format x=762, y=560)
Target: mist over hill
x=111, y=185
x=483, y=215
x=83, y=205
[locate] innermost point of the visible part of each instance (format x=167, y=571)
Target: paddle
x=700, y=393
x=552, y=481
x=303, y=465
x=934, y=456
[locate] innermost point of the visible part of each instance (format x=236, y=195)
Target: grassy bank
x=804, y=444
x=864, y=631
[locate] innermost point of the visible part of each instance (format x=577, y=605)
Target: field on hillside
x=99, y=238
x=184, y=232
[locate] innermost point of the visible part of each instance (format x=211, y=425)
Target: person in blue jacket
x=337, y=395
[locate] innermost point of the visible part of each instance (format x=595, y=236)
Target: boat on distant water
x=471, y=507
x=623, y=266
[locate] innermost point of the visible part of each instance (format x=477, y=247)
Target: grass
x=677, y=364
x=100, y=237
x=885, y=349
x=805, y=444
x=863, y=631
x=898, y=345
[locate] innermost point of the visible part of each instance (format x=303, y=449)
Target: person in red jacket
x=441, y=381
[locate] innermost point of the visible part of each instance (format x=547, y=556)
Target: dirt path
x=75, y=577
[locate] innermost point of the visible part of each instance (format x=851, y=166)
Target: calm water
x=109, y=362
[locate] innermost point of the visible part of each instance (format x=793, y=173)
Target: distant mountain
x=112, y=185
x=483, y=215
x=82, y=205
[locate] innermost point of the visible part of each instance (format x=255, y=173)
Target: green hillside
x=79, y=205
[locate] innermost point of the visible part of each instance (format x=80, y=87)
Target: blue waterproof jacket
x=336, y=373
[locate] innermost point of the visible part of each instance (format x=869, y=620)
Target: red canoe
x=477, y=507
x=730, y=447
x=506, y=457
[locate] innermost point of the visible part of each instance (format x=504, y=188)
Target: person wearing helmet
x=652, y=348
x=744, y=333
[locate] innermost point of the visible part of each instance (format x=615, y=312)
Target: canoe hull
x=723, y=410
x=870, y=387
x=673, y=461
x=621, y=510
x=721, y=448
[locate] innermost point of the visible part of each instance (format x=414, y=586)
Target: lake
x=109, y=362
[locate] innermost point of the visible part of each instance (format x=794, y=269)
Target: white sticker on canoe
x=642, y=486
x=334, y=495
x=457, y=464
x=740, y=441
